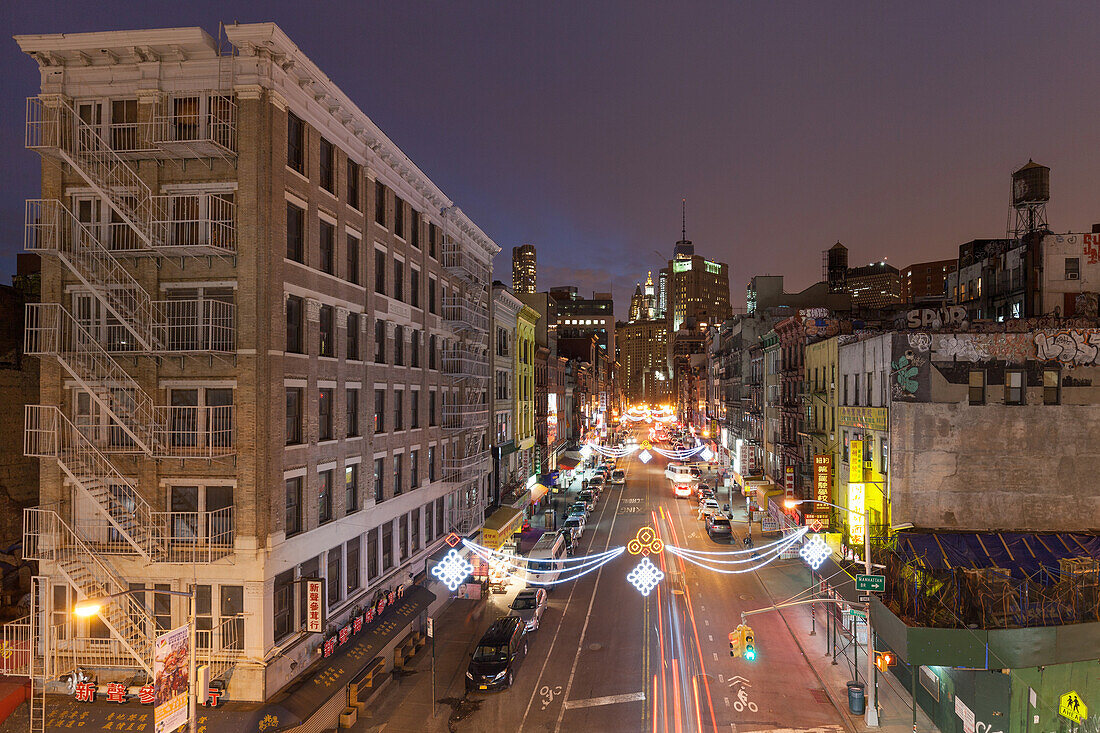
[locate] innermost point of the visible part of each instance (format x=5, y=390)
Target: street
x=608, y=659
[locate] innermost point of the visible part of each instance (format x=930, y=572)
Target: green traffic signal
x=748, y=644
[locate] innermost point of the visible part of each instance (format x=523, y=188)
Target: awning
x=569, y=461
x=538, y=491
x=503, y=523
x=1017, y=551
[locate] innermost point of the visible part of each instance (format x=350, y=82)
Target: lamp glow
x=86, y=609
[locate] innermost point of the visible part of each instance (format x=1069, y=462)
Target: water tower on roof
x=1030, y=194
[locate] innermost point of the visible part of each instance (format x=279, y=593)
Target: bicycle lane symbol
x=743, y=702
x=548, y=694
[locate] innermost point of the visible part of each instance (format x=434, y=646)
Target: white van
x=683, y=478
x=544, y=556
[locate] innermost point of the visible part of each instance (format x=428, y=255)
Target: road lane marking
x=706, y=621
x=710, y=638
x=715, y=656
x=608, y=700
x=587, y=616
x=727, y=701
x=721, y=679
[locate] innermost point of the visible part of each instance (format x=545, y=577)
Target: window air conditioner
x=1073, y=275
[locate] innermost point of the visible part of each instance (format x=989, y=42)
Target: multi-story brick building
x=237, y=266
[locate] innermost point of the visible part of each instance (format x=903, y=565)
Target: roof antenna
x=683, y=219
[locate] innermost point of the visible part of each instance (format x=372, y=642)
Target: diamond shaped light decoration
x=645, y=456
x=645, y=576
x=707, y=454
x=452, y=570
x=814, y=552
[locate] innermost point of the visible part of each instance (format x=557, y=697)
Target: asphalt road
x=609, y=659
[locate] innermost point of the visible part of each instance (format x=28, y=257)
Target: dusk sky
x=579, y=126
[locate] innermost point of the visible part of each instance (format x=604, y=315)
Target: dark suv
x=493, y=664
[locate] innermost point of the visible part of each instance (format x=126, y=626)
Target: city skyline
x=918, y=163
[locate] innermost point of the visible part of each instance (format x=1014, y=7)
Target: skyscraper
x=523, y=269
x=697, y=289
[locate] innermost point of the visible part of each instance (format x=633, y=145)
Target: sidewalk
x=786, y=578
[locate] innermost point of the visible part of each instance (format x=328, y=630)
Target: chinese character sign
x=315, y=622
x=823, y=479
x=855, y=462
x=788, y=480
x=171, y=659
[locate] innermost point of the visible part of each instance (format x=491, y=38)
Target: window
x=414, y=287
x=295, y=341
x=845, y=389
x=351, y=488
x=352, y=273
x=379, y=271
x=414, y=524
x=431, y=464
x=431, y=352
x=855, y=390
x=379, y=342
x=380, y=203
x=351, y=562
x=1073, y=268
x=403, y=535
x=415, y=227
x=387, y=546
x=976, y=381
x=428, y=522
x=327, y=331
x=414, y=468
x=295, y=414
x=869, y=386
x=414, y=409
x=353, y=185
x=398, y=410
x=379, y=411
x=353, y=337
x=293, y=506
x=431, y=294
x=372, y=554
x=884, y=456
x=328, y=166
x=439, y=516
x=295, y=233
x=335, y=576
x=398, y=279
x=1014, y=387
x=324, y=496
x=398, y=475
x=1052, y=384
x=282, y=608
x=328, y=248
x=432, y=421
x=398, y=217
x=324, y=414
x=379, y=469
x=295, y=143
x=414, y=348
x=398, y=346
x=351, y=409
x=433, y=233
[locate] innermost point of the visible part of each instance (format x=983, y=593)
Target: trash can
x=856, y=699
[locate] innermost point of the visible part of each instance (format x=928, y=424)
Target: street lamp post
x=872, y=702
x=92, y=606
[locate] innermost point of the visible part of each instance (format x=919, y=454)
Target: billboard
x=171, y=661
x=823, y=478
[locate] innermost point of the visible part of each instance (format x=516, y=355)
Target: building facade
x=506, y=308
x=924, y=283
x=248, y=304
x=525, y=390
x=579, y=317
x=524, y=269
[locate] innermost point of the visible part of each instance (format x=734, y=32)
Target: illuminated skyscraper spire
x=684, y=248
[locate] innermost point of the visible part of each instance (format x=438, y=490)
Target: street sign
x=857, y=612
x=876, y=583
x=431, y=627
x=863, y=599
x=769, y=524
x=1071, y=706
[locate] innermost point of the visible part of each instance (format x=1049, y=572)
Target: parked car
x=575, y=523
x=596, y=481
x=494, y=661
x=618, y=476
x=718, y=526
x=529, y=605
x=709, y=507
x=588, y=496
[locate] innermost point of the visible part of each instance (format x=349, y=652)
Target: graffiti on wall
x=906, y=370
x=1070, y=347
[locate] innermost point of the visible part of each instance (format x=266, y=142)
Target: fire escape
x=107, y=521
x=466, y=364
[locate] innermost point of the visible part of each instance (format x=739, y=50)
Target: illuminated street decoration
x=645, y=541
x=566, y=569
x=814, y=552
x=761, y=556
x=707, y=454
x=645, y=576
x=645, y=456
x=452, y=570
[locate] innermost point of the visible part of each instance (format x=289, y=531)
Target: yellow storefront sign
x=871, y=418
x=1071, y=706
x=855, y=462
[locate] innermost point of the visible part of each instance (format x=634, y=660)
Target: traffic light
x=884, y=660
x=735, y=642
x=748, y=644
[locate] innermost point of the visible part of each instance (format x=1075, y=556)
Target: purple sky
x=579, y=126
